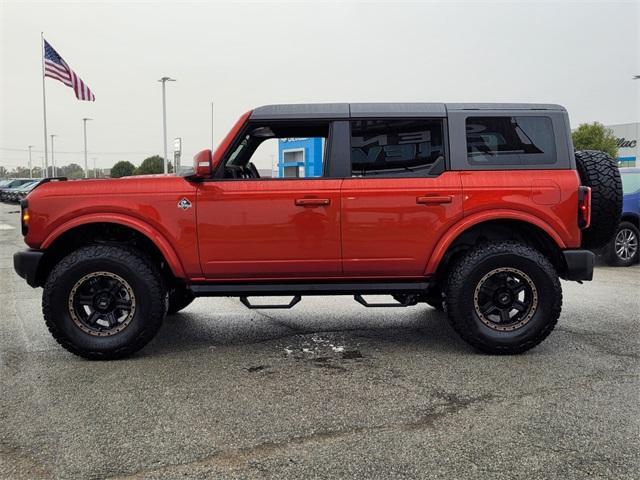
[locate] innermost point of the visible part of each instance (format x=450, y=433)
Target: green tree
x=4, y=173
x=152, y=165
x=595, y=136
x=73, y=170
x=19, y=172
x=122, y=169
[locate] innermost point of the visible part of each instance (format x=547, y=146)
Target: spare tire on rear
x=600, y=172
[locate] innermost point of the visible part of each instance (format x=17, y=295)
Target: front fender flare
x=472, y=220
x=168, y=252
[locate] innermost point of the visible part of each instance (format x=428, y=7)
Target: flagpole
x=44, y=108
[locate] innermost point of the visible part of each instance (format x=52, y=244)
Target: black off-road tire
x=600, y=172
x=467, y=273
x=610, y=255
x=179, y=298
x=135, y=268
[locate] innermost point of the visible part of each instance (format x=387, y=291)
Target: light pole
x=53, y=163
x=30, y=164
x=164, y=80
x=95, y=172
x=86, y=168
x=212, y=126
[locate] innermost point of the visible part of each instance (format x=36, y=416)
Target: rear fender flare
x=472, y=220
x=165, y=248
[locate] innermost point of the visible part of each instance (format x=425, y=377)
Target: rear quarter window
x=510, y=140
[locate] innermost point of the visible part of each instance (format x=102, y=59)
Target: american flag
x=56, y=67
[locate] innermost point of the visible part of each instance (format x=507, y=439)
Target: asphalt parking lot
x=326, y=390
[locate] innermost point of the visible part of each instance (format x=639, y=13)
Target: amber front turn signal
x=24, y=217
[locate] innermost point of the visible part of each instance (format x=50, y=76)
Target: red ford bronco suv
x=475, y=209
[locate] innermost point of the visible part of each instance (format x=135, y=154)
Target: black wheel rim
x=102, y=304
x=505, y=299
x=626, y=244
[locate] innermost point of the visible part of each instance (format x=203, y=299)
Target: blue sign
x=300, y=157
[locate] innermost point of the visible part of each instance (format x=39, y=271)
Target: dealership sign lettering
x=624, y=143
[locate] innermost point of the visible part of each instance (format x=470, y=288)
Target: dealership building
x=628, y=147
x=300, y=157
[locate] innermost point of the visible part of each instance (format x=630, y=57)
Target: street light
x=86, y=168
x=164, y=80
x=212, y=149
x=30, y=167
x=53, y=163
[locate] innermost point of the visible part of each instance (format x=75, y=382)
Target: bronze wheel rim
x=505, y=299
x=102, y=304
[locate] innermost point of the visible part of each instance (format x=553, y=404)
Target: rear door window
x=396, y=148
x=510, y=140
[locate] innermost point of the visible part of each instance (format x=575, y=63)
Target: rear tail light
x=584, y=207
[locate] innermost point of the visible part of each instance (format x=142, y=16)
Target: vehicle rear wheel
x=179, y=298
x=624, y=249
x=104, y=302
x=503, y=297
x=600, y=172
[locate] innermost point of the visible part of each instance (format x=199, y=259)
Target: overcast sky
x=244, y=54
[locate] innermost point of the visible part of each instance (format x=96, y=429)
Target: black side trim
x=267, y=289
x=26, y=263
x=52, y=179
x=579, y=264
x=338, y=161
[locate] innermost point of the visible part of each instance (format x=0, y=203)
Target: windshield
x=630, y=182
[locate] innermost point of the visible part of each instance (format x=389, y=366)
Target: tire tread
x=461, y=271
x=600, y=172
x=134, y=260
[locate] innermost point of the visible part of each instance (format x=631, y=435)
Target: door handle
x=434, y=199
x=312, y=202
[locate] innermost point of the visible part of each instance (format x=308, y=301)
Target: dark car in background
x=5, y=189
x=15, y=194
x=624, y=249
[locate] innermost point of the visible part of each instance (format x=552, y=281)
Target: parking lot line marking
x=6, y=226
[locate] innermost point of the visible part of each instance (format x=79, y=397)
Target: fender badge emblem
x=184, y=204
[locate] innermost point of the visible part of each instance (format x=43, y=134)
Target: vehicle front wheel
x=104, y=302
x=624, y=251
x=503, y=297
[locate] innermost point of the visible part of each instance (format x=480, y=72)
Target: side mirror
x=203, y=164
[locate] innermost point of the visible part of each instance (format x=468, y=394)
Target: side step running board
x=245, y=301
x=407, y=301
